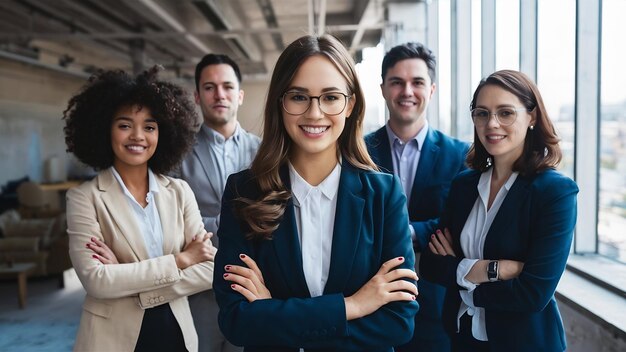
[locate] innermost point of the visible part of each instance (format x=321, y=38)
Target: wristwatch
x=492, y=270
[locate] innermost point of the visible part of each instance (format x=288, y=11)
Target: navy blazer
x=370, y=228
x=441, y=159
x=534, y=225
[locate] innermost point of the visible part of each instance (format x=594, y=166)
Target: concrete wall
x=584, y=334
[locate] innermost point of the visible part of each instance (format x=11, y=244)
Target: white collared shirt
x=472, y=241
x=147, y=218
x=315, y=209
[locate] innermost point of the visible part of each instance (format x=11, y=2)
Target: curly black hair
x=89, y=116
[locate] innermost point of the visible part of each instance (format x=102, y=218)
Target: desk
x=19, y=271
x=61, y=186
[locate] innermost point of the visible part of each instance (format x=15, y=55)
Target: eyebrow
x=497, y=107
x=125, y=118
x=306, y=90
x=216, y=83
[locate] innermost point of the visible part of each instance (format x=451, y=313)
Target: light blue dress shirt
x=147, y=218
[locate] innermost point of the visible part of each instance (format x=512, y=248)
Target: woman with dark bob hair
x=315, y=251
x=137, y=240
x=507, y=228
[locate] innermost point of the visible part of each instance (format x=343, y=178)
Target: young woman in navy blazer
x=508, y=225
x=333, y=275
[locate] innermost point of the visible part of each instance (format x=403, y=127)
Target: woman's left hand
x=441, y=243
x=247, y=281
x=103, y=253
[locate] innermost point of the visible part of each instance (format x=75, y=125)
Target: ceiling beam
x=371, y=16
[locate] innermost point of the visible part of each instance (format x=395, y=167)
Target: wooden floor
x=50, y=319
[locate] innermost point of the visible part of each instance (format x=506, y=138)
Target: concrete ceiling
x=82, y=35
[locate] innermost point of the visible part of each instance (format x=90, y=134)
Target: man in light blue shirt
x=222, y=148
x=426, y=161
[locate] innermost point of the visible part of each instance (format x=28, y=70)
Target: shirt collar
x=153, y=186
x=301, y=189
x=419, y=138
x=217, y=137
x=484, y=184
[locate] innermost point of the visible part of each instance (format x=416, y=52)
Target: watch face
x=492, y=270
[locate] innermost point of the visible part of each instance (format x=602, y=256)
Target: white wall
x=250, y=114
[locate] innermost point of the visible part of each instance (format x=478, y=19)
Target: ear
x=241, y=94
x=433, y=88
x=350, y=106
x=196, y=97
x=533, y=117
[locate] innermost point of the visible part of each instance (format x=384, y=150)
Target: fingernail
x=432, y=236
x=227, y=267
x=87, y=245
x=232, y=286
x=414, y=298
x=242, y=256
x=225, y=275
x=94, y=256
x=400, y=258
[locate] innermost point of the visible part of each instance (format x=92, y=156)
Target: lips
x=407, y=103
x=136, y=148
x=314, y=129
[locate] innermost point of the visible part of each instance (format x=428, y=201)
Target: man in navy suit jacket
x=426, y=161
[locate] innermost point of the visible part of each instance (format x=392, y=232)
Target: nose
x=493, y=120
x=407, y=89
x=314, y=109
x=219, y=93
x=137, y=134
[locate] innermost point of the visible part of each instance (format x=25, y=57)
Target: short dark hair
x=541, y=146
x=410, y=50
x=89, y=116
x=215, y=59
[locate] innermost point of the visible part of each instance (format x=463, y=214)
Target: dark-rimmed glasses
x=504, y=116
x=332, y=103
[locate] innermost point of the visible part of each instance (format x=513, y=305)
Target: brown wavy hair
x=541, y=146
x=263, y=215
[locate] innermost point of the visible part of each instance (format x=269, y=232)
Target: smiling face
x=407, y=90
x=313, y=132
x=219, y=95
x=505, y=143
x=134, y=137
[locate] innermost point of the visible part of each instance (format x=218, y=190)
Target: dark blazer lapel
x=498, y=230
x=428, y=159
x=287, y=245
x=462, y=207
x=167, y=205
x=381, y=151
x=205, y=158
x=120, y=212
x=347, y=228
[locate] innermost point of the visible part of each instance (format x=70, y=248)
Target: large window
x=612, y=185
x=507, y=34
x=556, y=54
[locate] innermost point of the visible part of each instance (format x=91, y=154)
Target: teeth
x=314, y=130
x=406, y=103
x=495, y=137
x=136, y=148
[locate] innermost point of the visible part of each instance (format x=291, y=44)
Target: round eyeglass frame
x=319, y=104
x=495, y=115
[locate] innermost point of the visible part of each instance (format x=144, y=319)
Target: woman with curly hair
x=315, y=250
x=507, y=228
x=137, y=241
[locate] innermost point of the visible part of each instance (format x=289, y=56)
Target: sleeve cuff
x=461, y=272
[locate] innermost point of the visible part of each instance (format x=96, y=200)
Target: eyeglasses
x=297, y=103
x=504, y=116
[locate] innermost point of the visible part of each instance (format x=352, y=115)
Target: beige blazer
x=118, y=294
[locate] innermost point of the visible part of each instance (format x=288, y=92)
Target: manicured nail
x=242, y=256
x=95, y=256
x=413, y=298
x=232, y=286
x=400, y=258
x=432, y=236
x=225, y=275
x=87, y=245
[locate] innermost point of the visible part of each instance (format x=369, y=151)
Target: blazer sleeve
x=193, y=279
x=113, y=280
x=318, y=322
x=550, y=242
